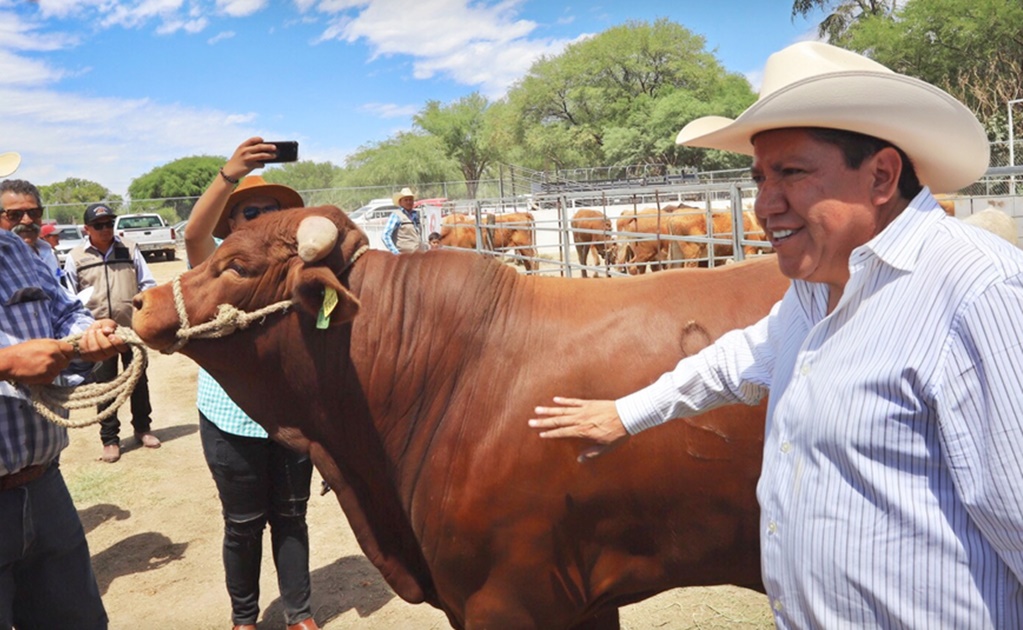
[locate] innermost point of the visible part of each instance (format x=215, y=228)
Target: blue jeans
x=46, y=578
x=260, y=481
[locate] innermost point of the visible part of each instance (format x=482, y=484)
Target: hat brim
x=9, y=162
x=947, y=145
x=285, y=196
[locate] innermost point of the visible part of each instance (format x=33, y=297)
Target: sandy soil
x=154, y=528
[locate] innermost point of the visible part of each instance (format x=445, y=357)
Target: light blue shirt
x=217, y=406
x=33, y=307
x=891, y=491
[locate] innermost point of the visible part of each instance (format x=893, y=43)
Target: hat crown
x=807, y=60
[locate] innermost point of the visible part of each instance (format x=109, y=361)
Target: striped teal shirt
x=890, y=491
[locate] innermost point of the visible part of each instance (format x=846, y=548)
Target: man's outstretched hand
x=595, y=421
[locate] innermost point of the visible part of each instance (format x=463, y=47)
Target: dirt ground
x=154, y=528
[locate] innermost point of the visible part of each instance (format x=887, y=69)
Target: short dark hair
x=856, y=147
x=434, y=236
x=21, y=187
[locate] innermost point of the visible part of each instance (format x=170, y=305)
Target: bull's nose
x=138, y=301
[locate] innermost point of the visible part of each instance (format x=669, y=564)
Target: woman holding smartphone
x=259, y=481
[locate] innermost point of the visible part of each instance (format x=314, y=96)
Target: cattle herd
x=650, y=238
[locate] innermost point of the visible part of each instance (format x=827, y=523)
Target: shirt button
x=786, y=447
x=772, y=528
x=805, y=369
x=777, y=605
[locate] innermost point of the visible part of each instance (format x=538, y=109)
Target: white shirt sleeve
x=734, y=369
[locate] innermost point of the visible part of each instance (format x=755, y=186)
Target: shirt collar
x=900, y=242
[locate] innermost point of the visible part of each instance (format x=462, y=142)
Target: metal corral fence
x=552, y=248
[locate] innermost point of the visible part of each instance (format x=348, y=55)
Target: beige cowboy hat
x=812, y=84
x=256, y=186
x=9, y=163
x=401, y=194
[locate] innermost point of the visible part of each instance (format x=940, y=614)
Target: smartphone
x=287, y=151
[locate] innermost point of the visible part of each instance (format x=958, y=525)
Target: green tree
x=622, y=96
x=412, y=159
x=177, y=184
x=313, y=179
x=466, y=134
x=66, y=201
x=843, y=14
x=972, y=49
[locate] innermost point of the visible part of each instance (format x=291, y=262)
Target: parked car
x=71, y=236
x=149, y=232
x=372, y=218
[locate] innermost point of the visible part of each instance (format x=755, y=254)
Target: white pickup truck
x=149, y=232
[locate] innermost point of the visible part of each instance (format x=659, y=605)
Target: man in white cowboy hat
x=402, y=232
x=890, y=488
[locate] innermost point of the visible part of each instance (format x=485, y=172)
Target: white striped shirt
x=891, y=491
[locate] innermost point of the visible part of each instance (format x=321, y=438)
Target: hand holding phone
x=287, y=151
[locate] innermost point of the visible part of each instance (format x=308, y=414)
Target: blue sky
x=107, y=91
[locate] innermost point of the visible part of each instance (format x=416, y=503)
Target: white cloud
x=240, y=8
x=219, y=37
x=109, y=140
x=473, y=43
x=16, y=70
x=389, y=110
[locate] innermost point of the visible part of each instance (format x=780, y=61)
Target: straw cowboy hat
x=255, y=186
x=811, y=84
x=401, y=194
x=9, y=163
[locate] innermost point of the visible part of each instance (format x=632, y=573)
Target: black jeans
x=46, y=578
x=260, y=481
x=141, y=409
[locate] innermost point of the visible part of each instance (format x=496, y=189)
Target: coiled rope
x=49, y=399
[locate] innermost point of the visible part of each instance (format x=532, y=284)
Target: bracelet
x=229, y=180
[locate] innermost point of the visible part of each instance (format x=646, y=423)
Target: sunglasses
x=16, y=215
x=102, y=225
x=251, y=212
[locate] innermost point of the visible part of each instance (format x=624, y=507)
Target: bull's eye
x=238, y=268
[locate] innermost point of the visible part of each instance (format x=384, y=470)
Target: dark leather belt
x=27, y=474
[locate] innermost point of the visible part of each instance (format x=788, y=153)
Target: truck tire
x=170, y=254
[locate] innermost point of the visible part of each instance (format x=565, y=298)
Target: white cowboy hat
x=401, y=194
x=9, y=163
x=812, y=84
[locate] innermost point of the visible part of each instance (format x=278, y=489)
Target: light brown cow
x=509, y=233
x=694, y=225
x=589, y=243
x=516, y=234
x=637, y=252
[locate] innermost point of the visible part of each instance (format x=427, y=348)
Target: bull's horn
x=316, y=237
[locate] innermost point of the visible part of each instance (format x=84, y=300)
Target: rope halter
x=228, y=318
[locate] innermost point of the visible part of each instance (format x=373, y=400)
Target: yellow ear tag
x=329, y=302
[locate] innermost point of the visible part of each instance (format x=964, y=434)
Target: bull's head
x=293, y=258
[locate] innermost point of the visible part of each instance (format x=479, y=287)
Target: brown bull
x=591, y=231
x=412, y=396
x=635, y=250
x=513, y=232
x=695, y=225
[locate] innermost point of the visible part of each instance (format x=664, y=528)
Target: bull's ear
x=320, y=294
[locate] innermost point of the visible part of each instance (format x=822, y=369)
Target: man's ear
x=320, y=294
x=887, y=168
